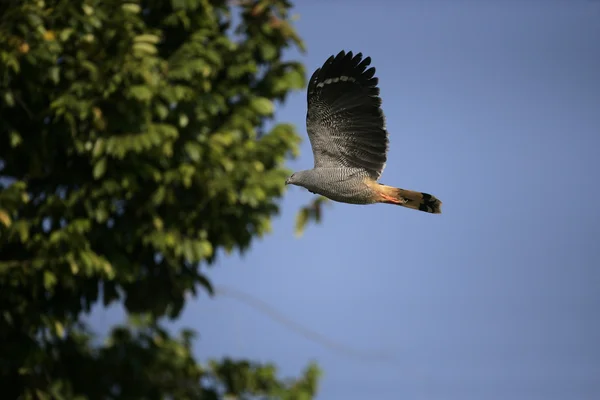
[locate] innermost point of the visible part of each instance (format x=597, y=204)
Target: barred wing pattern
x=345, y=123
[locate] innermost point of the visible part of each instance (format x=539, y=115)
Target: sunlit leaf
x=263, y=106
x=99, y=168
x=5, y=218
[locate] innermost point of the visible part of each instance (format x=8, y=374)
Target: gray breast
x=345, y=185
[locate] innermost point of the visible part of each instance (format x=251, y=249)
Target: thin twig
x=307, y=333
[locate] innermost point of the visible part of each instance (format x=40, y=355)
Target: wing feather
x=345, y=123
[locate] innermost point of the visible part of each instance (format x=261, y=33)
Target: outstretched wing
x=345, y=123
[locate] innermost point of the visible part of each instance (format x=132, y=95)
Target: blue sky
x=494, y=107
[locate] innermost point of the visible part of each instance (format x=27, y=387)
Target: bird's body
x=346, y=128
x=339, y=184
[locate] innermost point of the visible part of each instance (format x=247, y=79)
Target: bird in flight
x=346, y=128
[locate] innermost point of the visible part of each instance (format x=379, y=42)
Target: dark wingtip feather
x=345, y=63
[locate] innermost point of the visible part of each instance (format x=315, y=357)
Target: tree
x=133, y=147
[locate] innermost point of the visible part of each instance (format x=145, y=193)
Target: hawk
x=349, y=140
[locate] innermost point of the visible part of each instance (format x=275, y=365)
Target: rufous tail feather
x=410, y=199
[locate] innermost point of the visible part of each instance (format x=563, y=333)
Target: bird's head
x=300, y=178
x=290, y=179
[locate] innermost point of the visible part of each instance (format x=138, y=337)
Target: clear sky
x=494, y=107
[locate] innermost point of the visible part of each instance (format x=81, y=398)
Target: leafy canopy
x=133, y=146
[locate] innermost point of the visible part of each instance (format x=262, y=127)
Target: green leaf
x=183, y=120
x=301, y=220
x=54, y=74
x=15, y=139
x=59, y=329
x=49, y=280
x=5, y=218
x=147, y=38
x=9, y=99
x=162, y=111
x=101, y=215
x=262, y=106
x=99, y=168
x=194, y=151
x=269, y=52
x=140, y=92
x=295, y=79
x=142, y=48
x=131, y=7
x=308, y=213
x=88, y=10
x=22, y=229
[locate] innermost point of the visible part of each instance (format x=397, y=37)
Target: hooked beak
x=287, y=181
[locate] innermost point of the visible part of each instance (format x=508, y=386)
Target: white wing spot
x=336, y=80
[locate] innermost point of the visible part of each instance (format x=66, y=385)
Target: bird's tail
x=410, y=199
